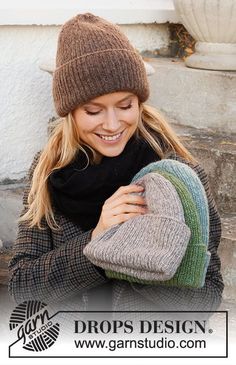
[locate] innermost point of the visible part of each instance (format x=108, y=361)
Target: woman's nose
x=111, y=121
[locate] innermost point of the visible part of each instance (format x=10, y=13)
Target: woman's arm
x=40, y=271
x=207, y=298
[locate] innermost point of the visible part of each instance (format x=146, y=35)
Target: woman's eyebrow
x=100, y=104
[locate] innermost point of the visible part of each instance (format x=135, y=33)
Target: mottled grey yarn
x=149, y=246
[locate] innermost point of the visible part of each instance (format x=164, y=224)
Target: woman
x=78, y=185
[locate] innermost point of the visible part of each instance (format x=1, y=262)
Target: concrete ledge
x=197, y=98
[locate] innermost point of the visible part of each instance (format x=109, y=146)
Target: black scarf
x=80, y=194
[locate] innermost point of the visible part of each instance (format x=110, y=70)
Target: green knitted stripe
x=190, y=210
x=207, y=261
x=191, y=270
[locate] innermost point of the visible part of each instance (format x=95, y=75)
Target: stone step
x=216, y=153
x=227, y=252
x=5, y=256
x=197, y=98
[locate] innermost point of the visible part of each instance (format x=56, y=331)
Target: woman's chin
x=111, y=152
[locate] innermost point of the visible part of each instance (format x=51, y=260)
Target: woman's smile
x=115, y=138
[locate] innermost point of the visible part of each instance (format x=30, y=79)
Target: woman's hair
x=63, y=145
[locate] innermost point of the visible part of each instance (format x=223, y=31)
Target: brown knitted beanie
x=95, y=58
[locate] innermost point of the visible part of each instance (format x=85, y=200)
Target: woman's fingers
x=120, y=207
x=125, y=209
x=121, y=218
x=125, y=190
x=126, y=199
x=109, y=221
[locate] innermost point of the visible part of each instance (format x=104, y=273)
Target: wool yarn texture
x=149, y=246
x=95, y=58
x=195, y=187
x=191, y=270
x=193, y=184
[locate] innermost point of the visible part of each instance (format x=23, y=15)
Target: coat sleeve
x=40, y=271
x=210, y=295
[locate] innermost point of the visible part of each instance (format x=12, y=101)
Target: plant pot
x=212, y=23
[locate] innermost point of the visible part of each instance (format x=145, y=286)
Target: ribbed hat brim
x=87, y=77
x=190, y=272
x=153, y=253
x=193, y=275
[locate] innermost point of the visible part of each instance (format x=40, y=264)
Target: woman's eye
x=126, y=107
x=92, y=113
x=97, y=112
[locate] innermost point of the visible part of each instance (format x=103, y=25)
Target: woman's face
x=107, y=122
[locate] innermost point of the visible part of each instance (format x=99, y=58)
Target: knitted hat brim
x=107, y=71
x=193, y=263
x=154, y=254
x=190, y=278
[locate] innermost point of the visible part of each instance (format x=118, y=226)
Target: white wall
x=50, y=12
x=25, y=91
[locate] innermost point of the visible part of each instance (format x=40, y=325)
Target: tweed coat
x=50, y=265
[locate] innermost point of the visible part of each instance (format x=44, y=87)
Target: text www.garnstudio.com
x=146, y=343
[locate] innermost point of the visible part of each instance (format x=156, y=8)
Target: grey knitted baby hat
x=149, y=246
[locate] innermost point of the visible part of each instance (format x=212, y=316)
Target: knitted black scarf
x=80, y=193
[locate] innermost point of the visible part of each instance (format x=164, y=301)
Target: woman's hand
x=120, y=207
